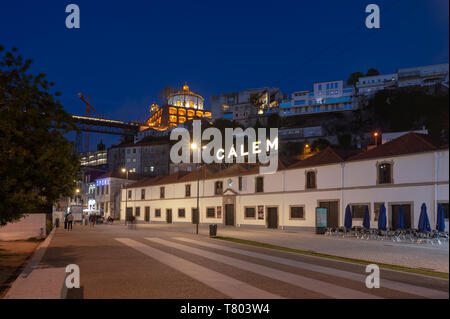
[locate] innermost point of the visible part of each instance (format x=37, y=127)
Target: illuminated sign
x=102, y=182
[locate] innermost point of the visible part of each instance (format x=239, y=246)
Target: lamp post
x=124, y=170
x=375, y=134
x=199, y=167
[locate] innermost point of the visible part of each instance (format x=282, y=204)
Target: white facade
x=237, y=106
x=328, y=96
x=369, y=85
x=416, y=179
x=418, y=76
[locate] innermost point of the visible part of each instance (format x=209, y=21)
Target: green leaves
x=37, y=163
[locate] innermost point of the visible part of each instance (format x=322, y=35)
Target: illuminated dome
x=186, y=98
x=154, y=108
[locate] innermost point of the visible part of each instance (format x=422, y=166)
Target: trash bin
x=213, y=230
x=57, y=222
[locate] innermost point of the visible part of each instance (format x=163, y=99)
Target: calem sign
x=263, y=150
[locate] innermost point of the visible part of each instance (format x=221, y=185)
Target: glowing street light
x=375, y=134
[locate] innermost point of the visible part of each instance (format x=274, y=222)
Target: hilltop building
x=182, y=106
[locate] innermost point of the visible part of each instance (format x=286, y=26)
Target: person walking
x=69, y=221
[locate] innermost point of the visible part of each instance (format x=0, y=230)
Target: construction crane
x=89, y=107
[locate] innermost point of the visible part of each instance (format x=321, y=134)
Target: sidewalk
x=429, y=257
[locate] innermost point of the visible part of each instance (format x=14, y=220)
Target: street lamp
x=124, y=170
x=375, y=134
x=197, y=220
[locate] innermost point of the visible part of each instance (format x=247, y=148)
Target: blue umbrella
x=440, y=225
x=348, y=217
x=424, y=222
x=382, y=218
x=400, y=218
x=366, y=220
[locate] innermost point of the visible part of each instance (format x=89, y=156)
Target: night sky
x=126, y=51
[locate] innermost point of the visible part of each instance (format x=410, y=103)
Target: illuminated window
x=199, y=113
x=173, y=118
x=191, y=104
x=190, y=113
x=182, y=119
x=181, y=111
x=178, y=103
x=172, y=110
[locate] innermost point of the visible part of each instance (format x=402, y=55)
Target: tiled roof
x=327, y=156
x=406, y=144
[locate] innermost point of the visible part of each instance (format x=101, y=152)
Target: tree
x=372, y=71
x=354, y=77
x=38, y=164
x=411, y=109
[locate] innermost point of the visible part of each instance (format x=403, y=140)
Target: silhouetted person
x=69, y=221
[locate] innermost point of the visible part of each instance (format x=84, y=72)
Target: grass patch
x=333, y=257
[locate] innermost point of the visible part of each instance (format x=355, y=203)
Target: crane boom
x=89, y=107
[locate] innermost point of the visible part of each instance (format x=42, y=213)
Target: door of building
x=147, y=214
x=229, y=215
x=272, y=217
x=332, y=212
x=169, y=216
x=129, y=213
x=406, y=215
x=194, y=215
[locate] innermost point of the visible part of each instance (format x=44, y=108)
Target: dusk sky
x=126, y=51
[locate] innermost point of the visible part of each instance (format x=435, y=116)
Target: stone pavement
x=429, y=257
x=169, y=261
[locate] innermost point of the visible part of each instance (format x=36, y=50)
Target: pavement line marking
x=318, y=286
x=384, y=283
x=225, y=284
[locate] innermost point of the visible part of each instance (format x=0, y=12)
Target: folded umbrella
x=382, y=218
x=424, y=222
x=366, y=220
x=348, y=218
x=440, y=224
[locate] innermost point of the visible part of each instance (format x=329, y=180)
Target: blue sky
x=126, y=51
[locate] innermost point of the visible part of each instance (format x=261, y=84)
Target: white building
x=407, y=171
x=245, y=106
x=369, y=85
x=329, y=96
x=418, y=76
x=106, y=199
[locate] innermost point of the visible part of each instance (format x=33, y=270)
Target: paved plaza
x=160, y=261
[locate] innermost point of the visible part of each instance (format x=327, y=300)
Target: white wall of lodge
x=417, y=178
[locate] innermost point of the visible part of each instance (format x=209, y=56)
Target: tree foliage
x=372, y=71
x=37, y=163
x=354, y=77
x=411, y=109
